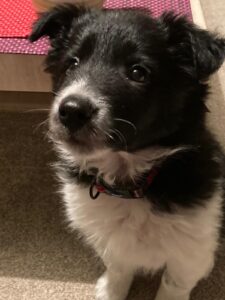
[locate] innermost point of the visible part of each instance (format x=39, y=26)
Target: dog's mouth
x=90, y=133
x=88, y=139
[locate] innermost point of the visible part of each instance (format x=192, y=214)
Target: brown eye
x=138, y=73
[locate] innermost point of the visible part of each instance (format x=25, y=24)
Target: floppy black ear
x=55, y=22
x=198, y=51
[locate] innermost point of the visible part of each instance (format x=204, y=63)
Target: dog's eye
x=138, y=73
x=75, y=61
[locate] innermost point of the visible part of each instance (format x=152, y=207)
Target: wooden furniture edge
x=197, y=13
x=24, y=73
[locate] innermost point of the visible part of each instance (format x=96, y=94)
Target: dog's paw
x=112, y=288
x=169, y=291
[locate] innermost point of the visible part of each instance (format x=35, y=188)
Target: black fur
x=168, y=109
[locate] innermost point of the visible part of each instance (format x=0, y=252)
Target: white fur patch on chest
x=129, y=232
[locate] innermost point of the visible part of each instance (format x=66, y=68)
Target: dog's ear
x=198, y=51
x=56, y=22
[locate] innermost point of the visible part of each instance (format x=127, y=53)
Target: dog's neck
x=120, y=166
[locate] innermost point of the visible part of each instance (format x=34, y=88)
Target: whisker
x=127, y=122
x=94, y=133
x=39, y=125
x=54, y=93
x=114, y=132
x=108, y=135
x=120, y=136
x=47, y=135
x=102, y=132
x=37, y=110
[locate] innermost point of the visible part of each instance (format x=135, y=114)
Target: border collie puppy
x=142, y=177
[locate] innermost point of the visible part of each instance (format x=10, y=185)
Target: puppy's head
x=122, y=79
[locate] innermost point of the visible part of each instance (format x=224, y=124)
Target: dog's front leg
x=180, y=277
x=115, y=283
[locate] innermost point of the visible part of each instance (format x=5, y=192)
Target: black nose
x=75, y=112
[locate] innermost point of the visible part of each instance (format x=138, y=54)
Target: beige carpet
x=39, y=258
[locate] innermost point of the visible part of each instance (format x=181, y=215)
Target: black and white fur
x=146, y=81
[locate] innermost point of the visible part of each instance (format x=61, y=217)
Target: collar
x=99, y=186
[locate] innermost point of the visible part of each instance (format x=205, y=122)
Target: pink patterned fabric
x=16, y=18
x=23, y=46
x=155, y=6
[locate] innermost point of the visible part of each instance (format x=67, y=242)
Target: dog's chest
x=121, y=228
x=130, y=233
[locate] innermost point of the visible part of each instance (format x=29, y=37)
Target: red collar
x=100, y=186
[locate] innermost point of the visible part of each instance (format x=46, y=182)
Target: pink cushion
x=17, y=16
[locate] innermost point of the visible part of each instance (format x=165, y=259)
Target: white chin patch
x=119, y=164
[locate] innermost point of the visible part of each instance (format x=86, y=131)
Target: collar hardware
x=94, y=194
x=99, y=186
